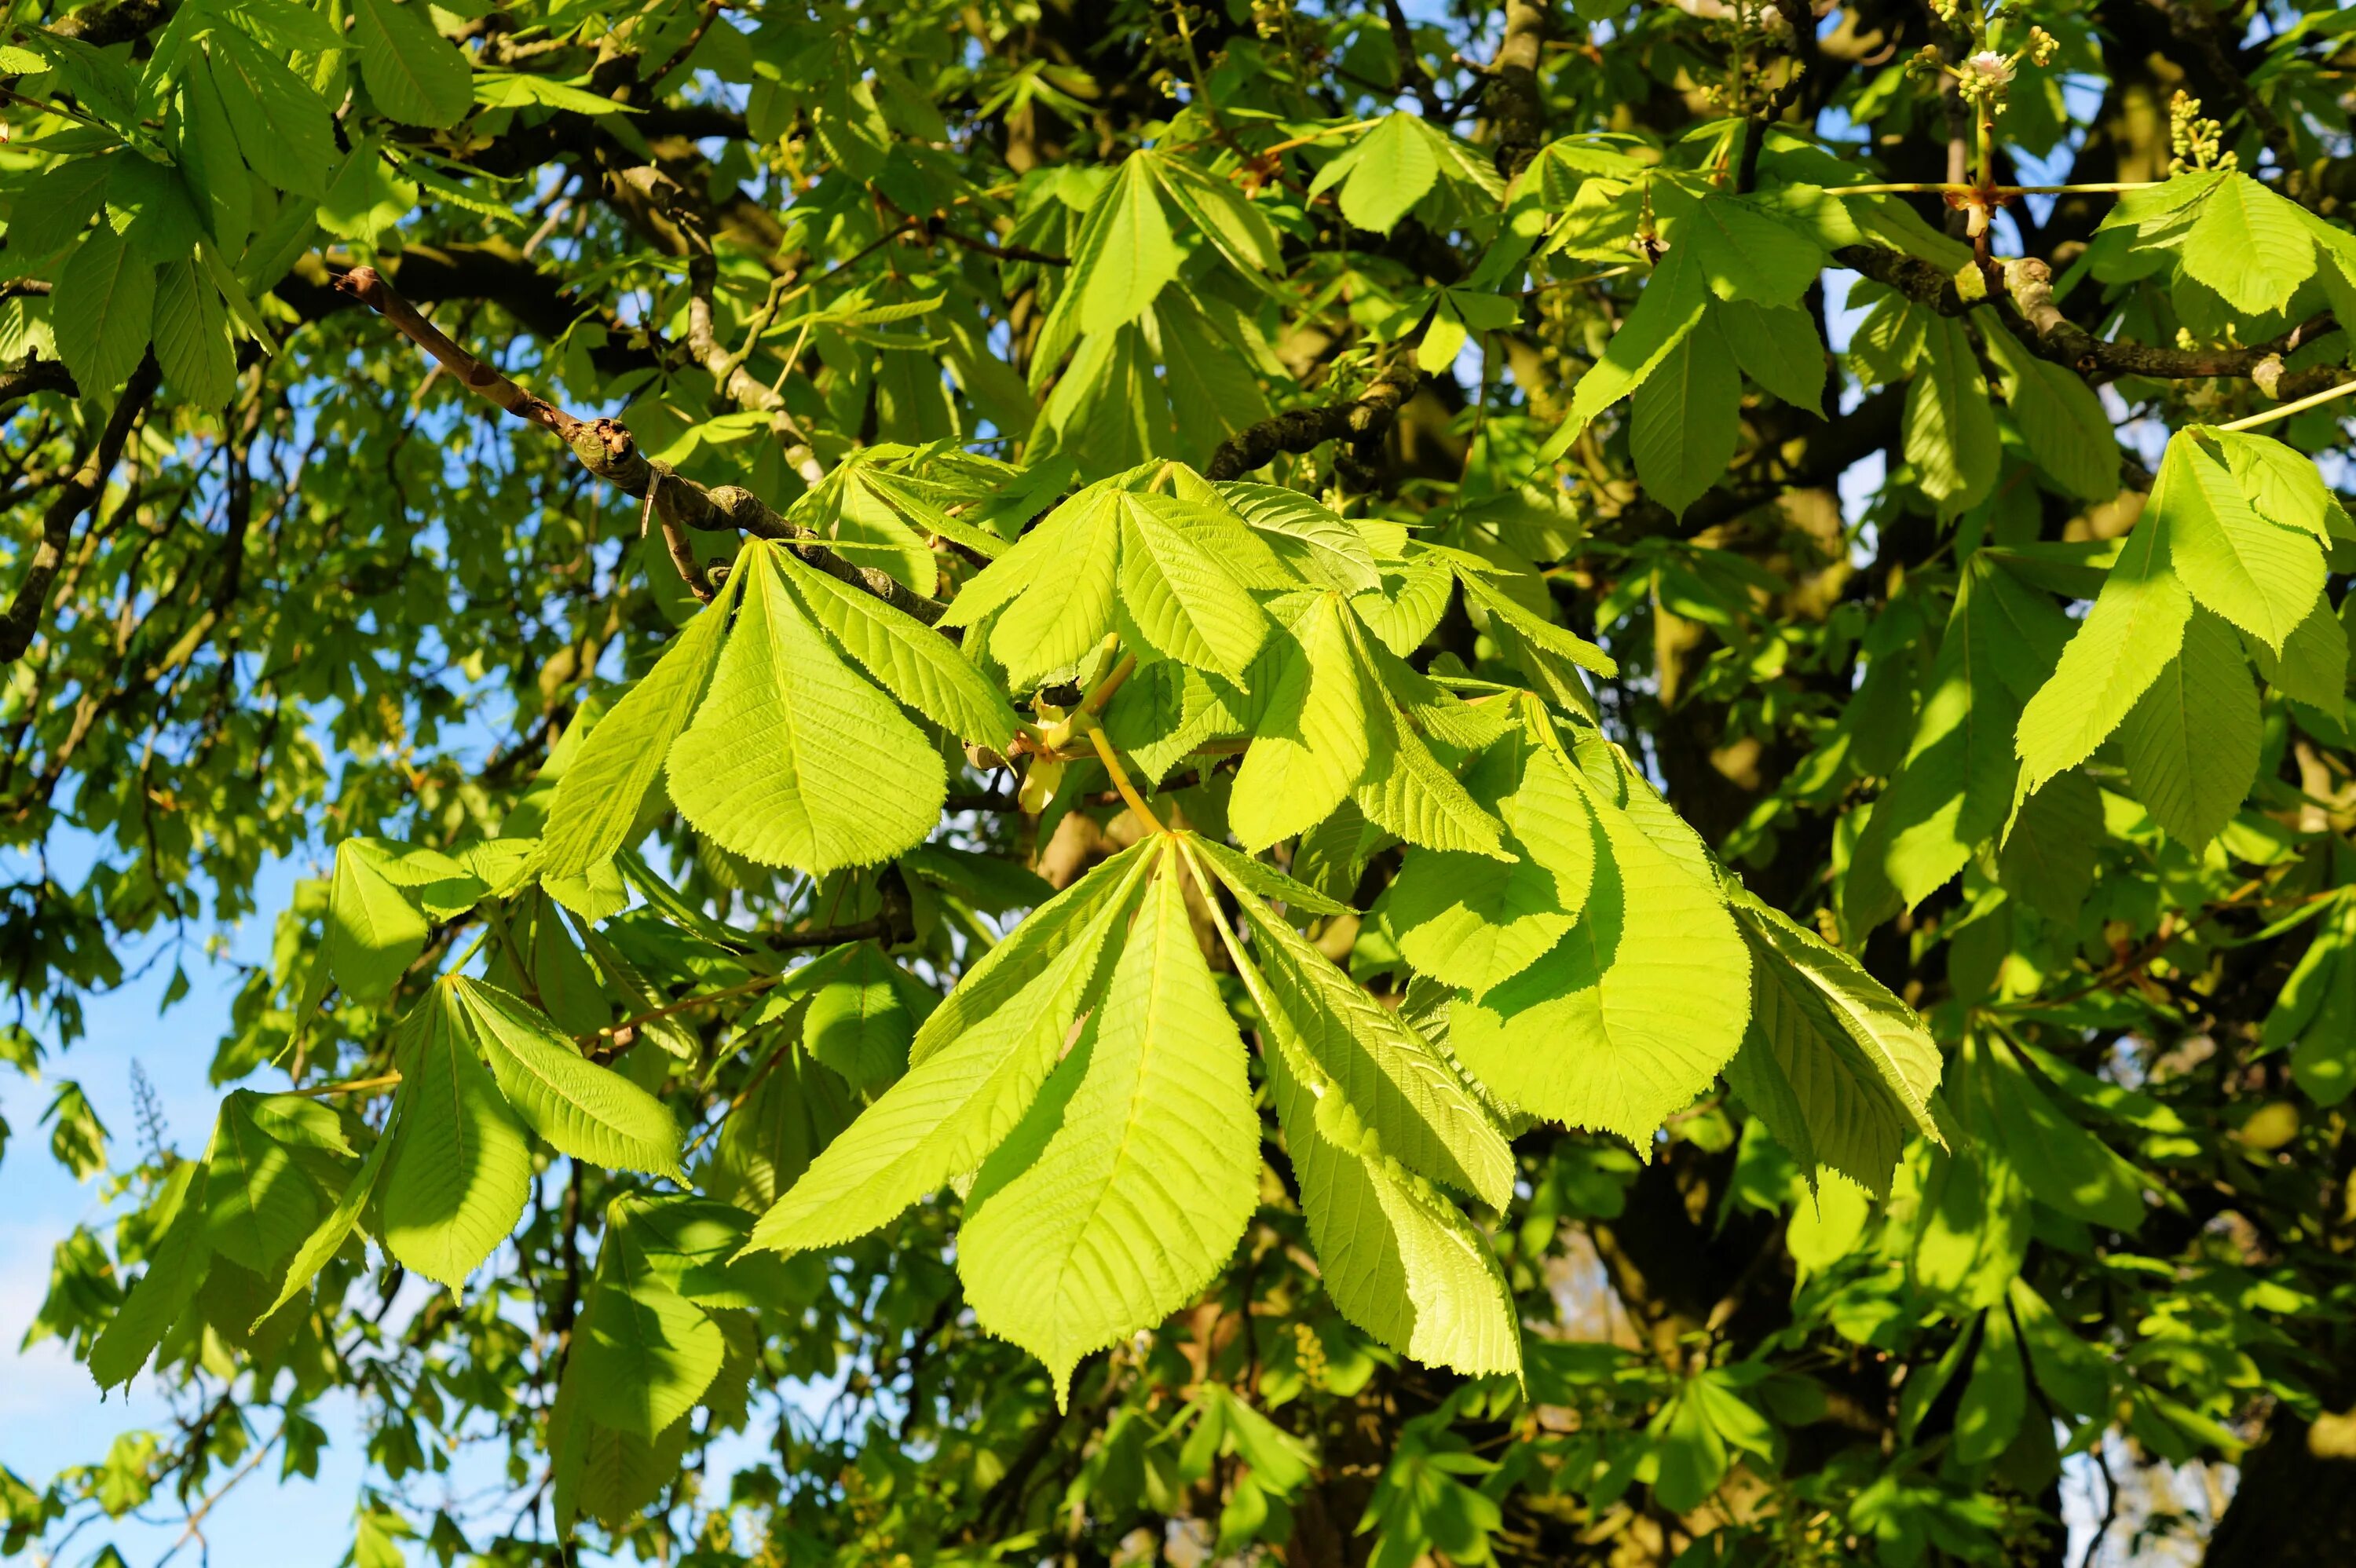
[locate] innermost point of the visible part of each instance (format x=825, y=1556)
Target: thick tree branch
x=1362, y=418
x=606, y=449
x=2028, y=310
x=1515, y=106
x=23, y=619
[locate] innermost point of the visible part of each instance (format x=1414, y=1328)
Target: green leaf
x=192, y=341
x=1138, y=1193
x=1126, y=253
x=1996, y=1396
x=1951, y=434
x=793, y=759
x=282, y=126
x=1219, y=213
x=2250, y=245
x=1474, y=921
x=2073, y=1374
x=1031, y=948
x=2191, y=741
x=645, y=1353
x=176, y=1268
x=2048, y=859
x=416, y=75
x=2119, y=650
x=105, y=298
x=1398, y=1260
x=258, y=1204
x=608, y=784
x=460, y=1171
x=1389, y=169
x=1957, y=783
x=2313, y=667
x=1412, y=1106
x=205, y=149
x=1686, y=417
x=909, y=660
x=1670, y=306
x=1316, y=738
x=1064, y=592
x=1841, y=1070
x=2282, y=485
x=1745, y=251
x=2066, y=427
x=1777, y=347
x=2065, y=1165
x=1632, y=1014
x=1184, y=600
x=374, y=932
x=961, y=1097
x=581, y=1109
x=2259, y=575
x=1316, y=542
x=327, y=1238
x=859, y=1022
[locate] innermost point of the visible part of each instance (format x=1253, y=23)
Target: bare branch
x=606, y=449
x=23, y=619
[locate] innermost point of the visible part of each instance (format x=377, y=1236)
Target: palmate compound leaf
x=645, y=1352
x=1316, y=738
x=1633, y=1012
x=1413, y=1107
x=460, y=1171
x=971, y=1078
x=794, y=759
x=1125, y=1188
x=589, y=1112
x=1841, y=1071
x=2135, y=628
x=1472, y=922
x=2260, y=574
x=2191, y=741
x=603, y=793
x=1171, y=571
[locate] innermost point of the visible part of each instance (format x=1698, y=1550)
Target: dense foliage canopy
x=1203, y=752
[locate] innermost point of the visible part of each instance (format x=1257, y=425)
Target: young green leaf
x=581, y=1109
x=606, y=786
x=2191, y=741
x=965, y=1090
x=645, y=1353
x=793, y=760
x=460, y=1171
x=1635, y=1010
x=1316, y=740
x=2135, y=627
x=416, y=75
x=1138, y=1193
x=913, y=662
x=176, y=1268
